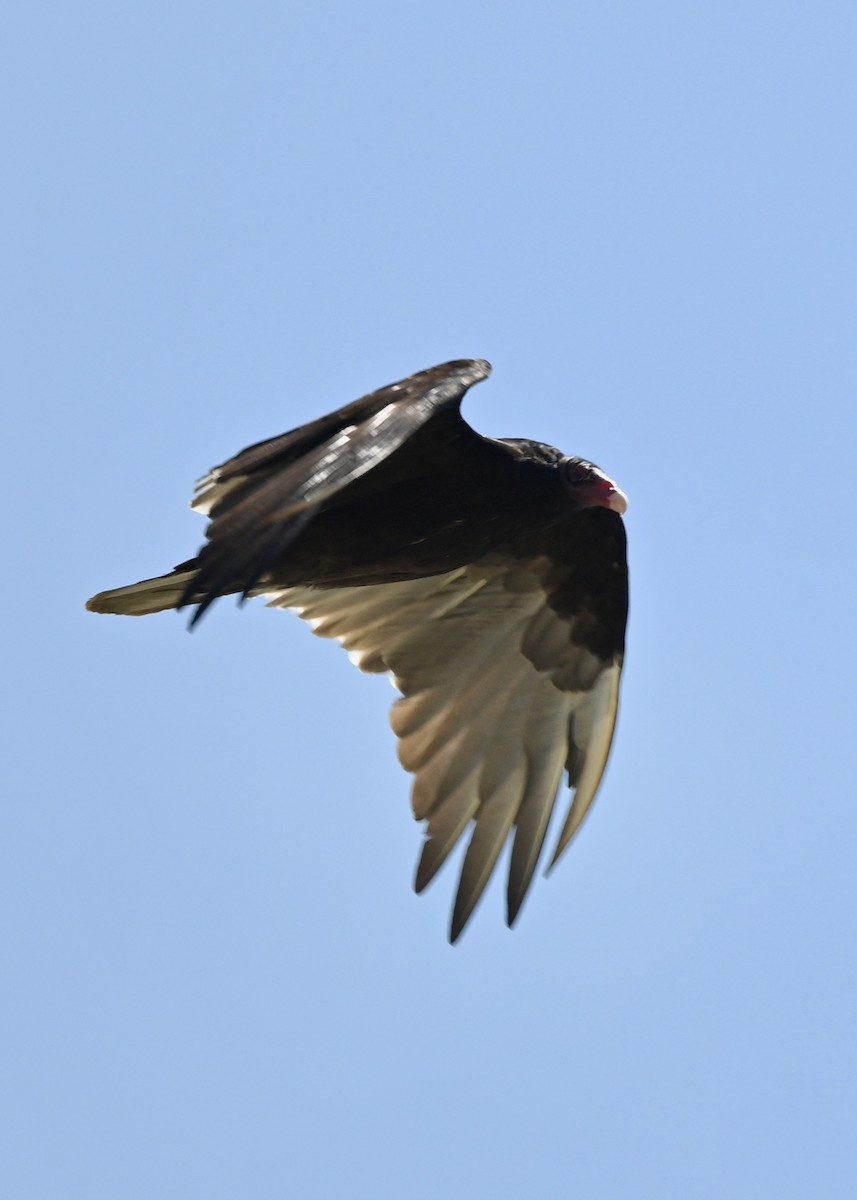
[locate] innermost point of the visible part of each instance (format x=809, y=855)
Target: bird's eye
x=575, y=471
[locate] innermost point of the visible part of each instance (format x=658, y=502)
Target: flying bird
x=487, y=576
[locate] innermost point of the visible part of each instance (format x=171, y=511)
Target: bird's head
x=590, y=487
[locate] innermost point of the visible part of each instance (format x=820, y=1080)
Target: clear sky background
x=223, y=220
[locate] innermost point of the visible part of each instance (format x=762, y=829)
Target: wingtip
x=198, y=612
x=456, y=928
x=466, y=371
x=466, y=902
x=555, y=857
x=513, y=908
x=573, y=822
x=477, y=369
x=462, y=911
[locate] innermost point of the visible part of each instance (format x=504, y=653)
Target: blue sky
x=227, y=219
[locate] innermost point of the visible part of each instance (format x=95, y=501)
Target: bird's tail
x=147, y=596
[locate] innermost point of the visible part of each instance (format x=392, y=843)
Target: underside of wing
x=497, y=701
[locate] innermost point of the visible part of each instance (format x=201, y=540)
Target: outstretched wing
x=502, y=692
x=261, y=499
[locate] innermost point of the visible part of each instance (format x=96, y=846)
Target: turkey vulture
x=488, y=576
